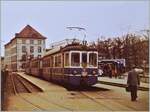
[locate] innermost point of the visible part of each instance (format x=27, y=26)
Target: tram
x=74, y=64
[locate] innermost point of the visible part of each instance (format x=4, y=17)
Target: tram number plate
x=84, y=74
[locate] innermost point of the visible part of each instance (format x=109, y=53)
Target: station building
x=28, y=43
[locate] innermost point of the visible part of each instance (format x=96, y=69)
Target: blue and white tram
x=74, y=64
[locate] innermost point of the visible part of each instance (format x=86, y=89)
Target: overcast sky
x=50, y=18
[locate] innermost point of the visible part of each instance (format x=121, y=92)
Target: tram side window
x=55, y=61
x=75, y=59
x=40, y=64
x=92, y=59
x=66, y=59
x=52, y=61
x=35, y=64
x=43, y=63
x=58, y=61
x=48, y=62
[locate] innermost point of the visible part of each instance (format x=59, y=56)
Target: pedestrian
x=110, y=71
x=100, y=71
x=133, y=82
x=115, y=72
x=105, y=69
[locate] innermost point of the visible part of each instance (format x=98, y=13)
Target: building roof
x=27, y=32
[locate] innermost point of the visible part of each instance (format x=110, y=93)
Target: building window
x=23, y=65
x=31, y=56
x=43, y=41
x=23, y=57
x=23, y=49
x=39, y=56
x=23, y=41
x=39, y=49
x=31, y=49
x=31, y=41
x=39, y=42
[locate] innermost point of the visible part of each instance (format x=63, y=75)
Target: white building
x=27, y=43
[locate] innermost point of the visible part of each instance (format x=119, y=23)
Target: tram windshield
x=92, y=60
x=75, y=59
x=84, y=59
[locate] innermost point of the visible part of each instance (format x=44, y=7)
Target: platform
x=39, y=82
x=121, y=82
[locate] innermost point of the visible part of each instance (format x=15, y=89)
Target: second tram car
x=36, y=67
x=27, y=68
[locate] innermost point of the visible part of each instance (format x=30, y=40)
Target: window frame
x=55, y=57
x=39, y=50
x=39, y=42
x=23, y=41
x=30, y=49
x=65, y=59
x=90, y=52
x=79, y=58
x=25, y=49
x=87, y=58
x=31, y=41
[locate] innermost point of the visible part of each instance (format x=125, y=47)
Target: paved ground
x=98, y=98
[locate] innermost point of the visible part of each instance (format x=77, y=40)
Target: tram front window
x=75, y=59
x=84, y=59
x=92, y=60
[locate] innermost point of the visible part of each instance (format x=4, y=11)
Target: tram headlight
x=74, y=72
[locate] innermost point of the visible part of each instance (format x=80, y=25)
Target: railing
x=144, y=78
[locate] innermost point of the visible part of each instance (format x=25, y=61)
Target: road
x=100, y=97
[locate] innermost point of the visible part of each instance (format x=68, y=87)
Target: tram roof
x=70, y=47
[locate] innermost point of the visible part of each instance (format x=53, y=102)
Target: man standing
x=100, y=71
x=133, y=82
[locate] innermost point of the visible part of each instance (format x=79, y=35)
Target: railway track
x=95, y=94
x=21, y=85
x=94, y=100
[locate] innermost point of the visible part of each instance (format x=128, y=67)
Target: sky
x=50, y=18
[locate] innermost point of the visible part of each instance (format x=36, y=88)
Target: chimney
x=17, y=35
